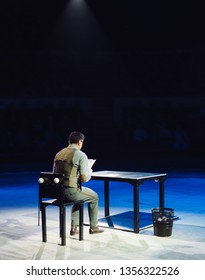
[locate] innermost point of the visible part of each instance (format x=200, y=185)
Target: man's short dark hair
x=75, y=137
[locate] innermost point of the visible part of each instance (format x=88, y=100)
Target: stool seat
x=58, y=203
x=52, y=193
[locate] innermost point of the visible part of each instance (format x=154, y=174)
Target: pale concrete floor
x=20, y=235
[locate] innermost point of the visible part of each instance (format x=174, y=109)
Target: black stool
x=52, y=192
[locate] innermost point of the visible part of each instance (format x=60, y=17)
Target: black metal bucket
x=162, y=219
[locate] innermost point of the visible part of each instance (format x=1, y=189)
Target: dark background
x=128, y=74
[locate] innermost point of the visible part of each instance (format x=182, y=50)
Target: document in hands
x=91, y=162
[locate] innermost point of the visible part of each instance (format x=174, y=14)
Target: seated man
x=74, y=164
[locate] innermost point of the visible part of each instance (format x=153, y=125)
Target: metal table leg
x=161, y=193
x=136, y=207
x=106, y=198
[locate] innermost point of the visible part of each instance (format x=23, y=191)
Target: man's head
x=76, y=138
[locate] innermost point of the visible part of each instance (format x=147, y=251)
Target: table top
x=127, y=175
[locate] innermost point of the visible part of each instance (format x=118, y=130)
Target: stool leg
x=81, y=220
x=63, y=225
x=61, y=221
x=43, y=216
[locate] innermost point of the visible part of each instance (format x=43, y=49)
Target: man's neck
x=73, y=145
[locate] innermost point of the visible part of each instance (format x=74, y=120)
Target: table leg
x=136, y=207
x=161, y=193
x=106, y=198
